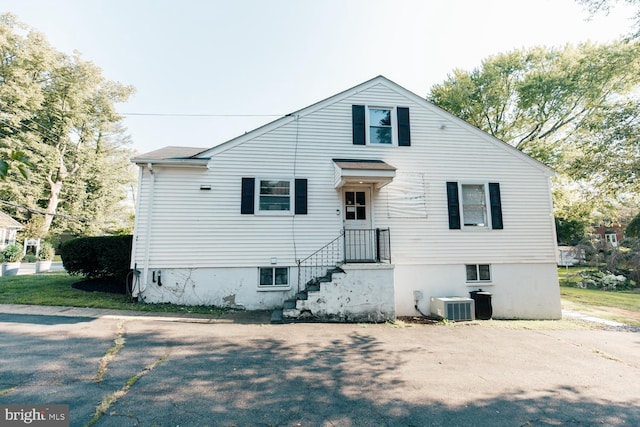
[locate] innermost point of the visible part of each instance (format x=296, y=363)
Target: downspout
x=147, y=247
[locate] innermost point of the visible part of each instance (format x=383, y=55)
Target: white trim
x=268, y=288
x=478, y=280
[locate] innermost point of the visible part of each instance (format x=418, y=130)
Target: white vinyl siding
x=194, y=228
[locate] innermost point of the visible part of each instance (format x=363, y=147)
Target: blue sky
x=256, y=60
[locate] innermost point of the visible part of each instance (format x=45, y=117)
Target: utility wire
x=41, y=212
x=199, y=115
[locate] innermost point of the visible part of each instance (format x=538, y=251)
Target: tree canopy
x=605, y=6
x=573, y=108
x=58, y=122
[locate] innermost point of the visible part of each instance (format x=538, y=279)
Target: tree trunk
x=52, y=205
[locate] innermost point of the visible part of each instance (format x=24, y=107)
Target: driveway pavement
x=239, y=370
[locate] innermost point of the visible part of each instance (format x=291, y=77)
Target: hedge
x=97, y=257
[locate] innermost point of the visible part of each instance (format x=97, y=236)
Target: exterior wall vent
x=453, y=308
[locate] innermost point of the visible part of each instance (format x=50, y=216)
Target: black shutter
x=248, y=197
x=359, y=126
x=453, y=203
x=496, y=206
x=404, y=130
x=301, y=196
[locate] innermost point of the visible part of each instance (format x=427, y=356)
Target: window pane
x=361, y=212
x=485, y=273
x=473, y=205
x=275, y=195
x=274, y=187
x=380, y=135
x=474, y=216
x=349, y=197
x=274, y=203
x=266, y=276
x=351, y=212
x=282, y=276
x=472, y=273
x=379, y=117
x=360, y=198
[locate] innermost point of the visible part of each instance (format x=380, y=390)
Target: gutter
x=147, y=249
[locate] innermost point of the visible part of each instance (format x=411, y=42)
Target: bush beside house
x=98, y=257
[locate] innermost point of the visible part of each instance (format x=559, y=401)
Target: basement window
x=274, y=277
x=478, y=272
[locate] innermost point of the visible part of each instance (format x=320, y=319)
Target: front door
x=359, y=237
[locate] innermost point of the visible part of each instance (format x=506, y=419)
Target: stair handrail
x=334, y=245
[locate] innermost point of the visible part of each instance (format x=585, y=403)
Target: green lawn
x=55, y=289
x=621, y=306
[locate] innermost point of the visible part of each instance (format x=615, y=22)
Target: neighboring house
x=8, y=230
x=407, y=200
x=571, y=255
x=610, y=234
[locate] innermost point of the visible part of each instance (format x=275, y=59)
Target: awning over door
x=354, y=171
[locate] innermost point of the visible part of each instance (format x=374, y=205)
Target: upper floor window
x=474, y=205
x=380, y=126
x=374, y=125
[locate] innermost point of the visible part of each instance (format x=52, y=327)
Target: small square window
x=275, y=195
x=274, y=276
x=478, y=272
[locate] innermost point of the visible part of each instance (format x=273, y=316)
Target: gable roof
x=7, y=222
x=379, y=80
x=173, y=155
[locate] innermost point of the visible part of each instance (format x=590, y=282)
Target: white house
x=9, y=227
x=400, y=200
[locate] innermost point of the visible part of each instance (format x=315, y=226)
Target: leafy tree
x=633, y=229
x=58, y=113
x=605, y=6
x=574, y=109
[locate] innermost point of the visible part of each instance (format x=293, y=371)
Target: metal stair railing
x=318, y=263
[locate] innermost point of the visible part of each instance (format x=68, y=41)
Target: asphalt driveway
x=245, y=372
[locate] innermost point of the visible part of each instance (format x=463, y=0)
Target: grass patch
x=625, y=300
x=7, y=391
x=110, y=399
x=118, y=344
x=55, y=289
x=571, y=276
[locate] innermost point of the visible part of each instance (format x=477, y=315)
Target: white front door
x=359, y=236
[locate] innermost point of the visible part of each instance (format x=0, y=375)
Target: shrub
x=604, y=280
x=12, y=253
x=97, y=257
x=47, y=252
x=29, y=258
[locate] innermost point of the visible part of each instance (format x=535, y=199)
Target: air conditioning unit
x=453, y=308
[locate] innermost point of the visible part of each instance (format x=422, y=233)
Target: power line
x=41, y=212
x=199, y=115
